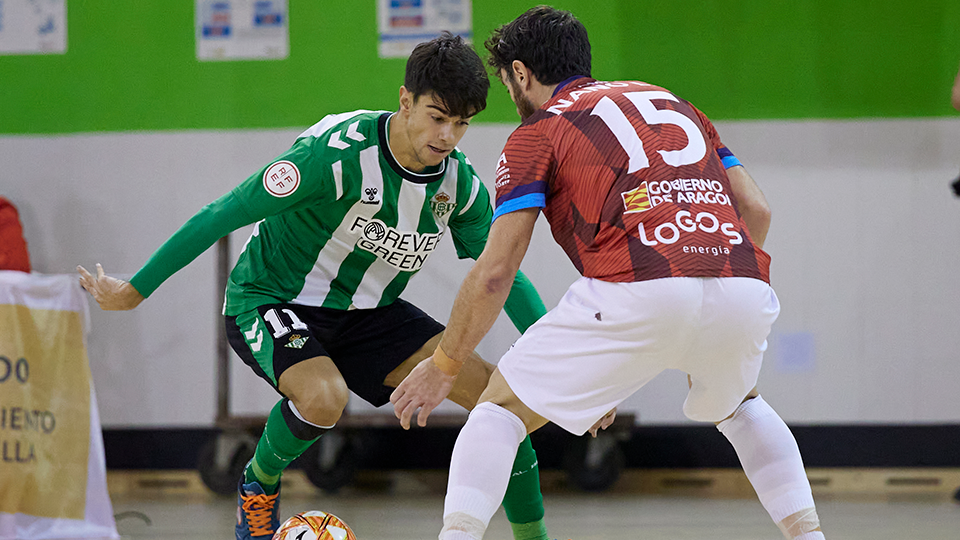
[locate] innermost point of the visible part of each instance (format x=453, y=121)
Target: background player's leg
x=523, y=501
x=772, y=462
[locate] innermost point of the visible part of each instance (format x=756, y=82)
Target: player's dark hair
x=552, y=43
x=452, y=70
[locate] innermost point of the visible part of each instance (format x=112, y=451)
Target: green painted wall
x=131, y=65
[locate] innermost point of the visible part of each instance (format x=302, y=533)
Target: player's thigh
x=725, y=358
x=498, y=392
x=600, y=344
x=470, y=382
x=373, y=348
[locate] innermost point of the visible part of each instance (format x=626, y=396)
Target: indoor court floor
x=406, y=508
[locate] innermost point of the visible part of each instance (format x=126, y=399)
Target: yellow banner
x=44, y=412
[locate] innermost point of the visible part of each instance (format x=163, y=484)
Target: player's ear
x=406, y=99
x=520, y=73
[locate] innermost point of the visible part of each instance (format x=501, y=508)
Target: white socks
x=480, y=470
x=771, y=459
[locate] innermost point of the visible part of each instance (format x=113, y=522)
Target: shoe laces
x=259, y=511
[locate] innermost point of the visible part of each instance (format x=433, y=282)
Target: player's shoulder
x=458, y=159
x=341, y=131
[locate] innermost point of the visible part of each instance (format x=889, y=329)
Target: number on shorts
x=279, y=329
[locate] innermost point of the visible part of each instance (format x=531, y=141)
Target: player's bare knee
x=324, y=404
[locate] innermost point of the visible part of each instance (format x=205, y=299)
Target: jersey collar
x=565, y=82
x=430, y=174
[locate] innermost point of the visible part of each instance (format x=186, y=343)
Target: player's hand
x=604, y=422
x=111, y=293
x=424, y=388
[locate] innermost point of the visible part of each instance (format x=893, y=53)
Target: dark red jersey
x=631, y=180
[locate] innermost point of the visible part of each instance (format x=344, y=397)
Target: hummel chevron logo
x=352, y=133
x=335, y=141
x=254, y=334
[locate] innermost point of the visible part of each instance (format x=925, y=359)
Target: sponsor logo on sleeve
x=503, y=172
x=281, y=179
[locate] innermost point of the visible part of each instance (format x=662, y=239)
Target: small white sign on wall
x=33, y=27
x=242, y=29
x=405, y=23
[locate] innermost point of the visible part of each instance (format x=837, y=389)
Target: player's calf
x=772, y=462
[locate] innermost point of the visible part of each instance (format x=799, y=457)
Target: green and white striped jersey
x=339, y=223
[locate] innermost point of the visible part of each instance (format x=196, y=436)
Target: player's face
x=525, y=106
x=429, y=133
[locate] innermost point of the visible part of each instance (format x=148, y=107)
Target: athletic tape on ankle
x=799, y=523
x=464, y=523
x=446, y=364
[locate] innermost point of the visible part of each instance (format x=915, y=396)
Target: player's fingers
x=406, y=415
x=399, y=405
x=425, y=411
x=396, y=395
x=100, y=272
x=85, y=277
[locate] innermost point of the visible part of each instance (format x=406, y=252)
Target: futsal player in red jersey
x=666, y=228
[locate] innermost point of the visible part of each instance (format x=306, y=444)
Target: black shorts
x=364, y=344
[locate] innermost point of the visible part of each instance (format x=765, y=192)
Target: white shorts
x=605, y=340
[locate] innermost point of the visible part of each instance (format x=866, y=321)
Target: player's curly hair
x=552, y=43
x=452, y=70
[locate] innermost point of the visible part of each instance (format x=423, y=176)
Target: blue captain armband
x=727, y=157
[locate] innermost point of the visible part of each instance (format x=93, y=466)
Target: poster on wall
x=242, y=29
x=405, y=23
x=33, y=27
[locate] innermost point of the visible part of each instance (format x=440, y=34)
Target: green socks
x=284, y=438
x=523, y=502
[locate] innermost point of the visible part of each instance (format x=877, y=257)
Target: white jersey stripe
x=473, y=195
x=410, y=202
x=316, y=284
x=338, y=178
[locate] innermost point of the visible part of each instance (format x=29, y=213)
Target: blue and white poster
x=405, y=23
x=242, y=29
x=33, y=27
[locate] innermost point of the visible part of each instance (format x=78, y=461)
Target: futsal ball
x=314, y=525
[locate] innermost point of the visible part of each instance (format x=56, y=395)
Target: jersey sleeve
x=290, y=181
x=470, y=227
x=726, y=155
x=524, y=171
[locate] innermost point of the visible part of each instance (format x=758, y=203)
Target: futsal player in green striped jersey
x=343, y=220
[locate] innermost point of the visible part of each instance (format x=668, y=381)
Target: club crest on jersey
x=441, y=205
x=281, y=179
x=636, y=200
x=297, y=341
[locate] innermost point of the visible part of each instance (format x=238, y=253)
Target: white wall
x=865, y=243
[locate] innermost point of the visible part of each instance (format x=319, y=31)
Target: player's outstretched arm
x=751, y=204
x=111, y=293
x=479, y=301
